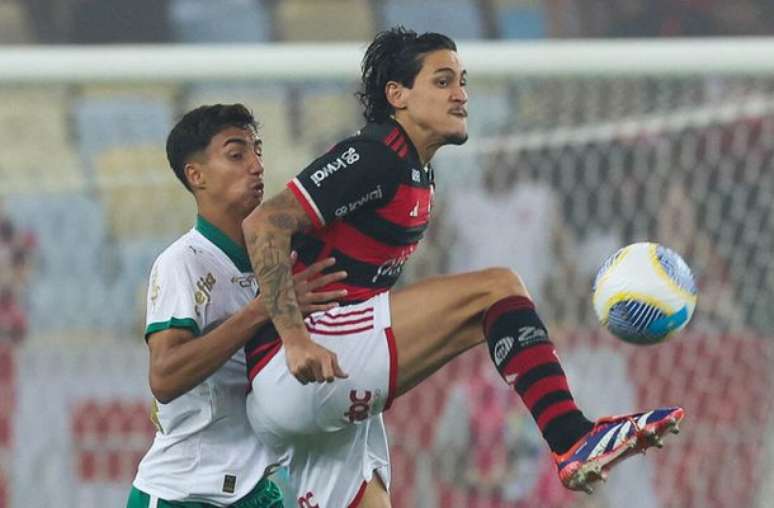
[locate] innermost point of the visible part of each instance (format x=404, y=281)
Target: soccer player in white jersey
x=367, y=202
x=202, y=309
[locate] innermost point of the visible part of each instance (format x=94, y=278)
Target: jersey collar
x=235, y=252
x=413, y=149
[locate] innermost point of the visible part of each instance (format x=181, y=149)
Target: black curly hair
x=394, y=55
x=196, y=129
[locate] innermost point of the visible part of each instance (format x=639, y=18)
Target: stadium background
x=568, y=160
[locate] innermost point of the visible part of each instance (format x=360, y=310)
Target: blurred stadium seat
x=104, y=120
x=203, y=21
x=333, y=20
x=14, y=25
x=328, y=114
x=70, y=232
x=459, y=19
x=37, y=153
x=141, y=196
x=520, y=19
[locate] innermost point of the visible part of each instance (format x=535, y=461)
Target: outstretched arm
x=268, y=231
x=179, y=360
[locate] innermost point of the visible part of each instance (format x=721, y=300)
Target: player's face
x=438, y=100
x=234, y=170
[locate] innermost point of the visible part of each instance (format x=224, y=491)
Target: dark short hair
x=196, y=129
x=394, y=55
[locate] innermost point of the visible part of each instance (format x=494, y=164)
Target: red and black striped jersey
x=369, y=198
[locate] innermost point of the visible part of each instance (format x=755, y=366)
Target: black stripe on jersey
x=363, y=274
x=359, y=273
x=389, y=233
x=265, y=335
x=309, y=248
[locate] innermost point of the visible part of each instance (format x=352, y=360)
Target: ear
x=396, y=95
x=195, y=175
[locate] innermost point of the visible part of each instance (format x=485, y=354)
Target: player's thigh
x=283, y=409
x=438, y=318
x=375, y=495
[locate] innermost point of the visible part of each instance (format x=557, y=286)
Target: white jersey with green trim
x=204, y=449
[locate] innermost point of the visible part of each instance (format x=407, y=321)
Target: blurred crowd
x=16, y=256
x=114, y=21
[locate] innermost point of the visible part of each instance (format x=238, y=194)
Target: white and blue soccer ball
x=644, y=293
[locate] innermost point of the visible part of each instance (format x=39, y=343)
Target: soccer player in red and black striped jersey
x=367, y=203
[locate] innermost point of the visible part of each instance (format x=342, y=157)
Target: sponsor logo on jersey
x=204, y=285
x=351, y=207
x=393, y=267
x=531, y=334
x=347, y=158
x=502, y=348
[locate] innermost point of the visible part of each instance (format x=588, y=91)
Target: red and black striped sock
x=526, y=358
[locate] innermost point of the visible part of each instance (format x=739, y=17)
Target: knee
x=503, y=282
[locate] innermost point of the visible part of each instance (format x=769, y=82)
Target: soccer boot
x=611, y=440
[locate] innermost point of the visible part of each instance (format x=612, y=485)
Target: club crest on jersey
x=347, y=158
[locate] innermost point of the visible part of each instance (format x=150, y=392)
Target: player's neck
x=225, y=223
x=424, y=141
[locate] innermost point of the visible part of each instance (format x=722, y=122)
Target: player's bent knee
x=502, y=283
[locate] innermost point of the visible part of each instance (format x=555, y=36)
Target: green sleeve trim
x=187, y=323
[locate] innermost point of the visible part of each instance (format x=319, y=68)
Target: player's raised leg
x=460, y=311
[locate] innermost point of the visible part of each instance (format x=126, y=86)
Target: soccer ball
x=644, y=293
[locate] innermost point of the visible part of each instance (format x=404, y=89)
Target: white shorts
x=332, y=435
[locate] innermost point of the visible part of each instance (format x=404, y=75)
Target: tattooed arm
x=268, y=231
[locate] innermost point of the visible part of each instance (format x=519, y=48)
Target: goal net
x=574, y=151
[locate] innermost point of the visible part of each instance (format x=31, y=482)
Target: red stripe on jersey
x=340, y=331
x=392, y=384
x=309, y=207
x=410, y=207
x=298, y=267
x=398, y=144
x=260, y=349
x=403, y=152
x=260, y=365
x=355, y=293
x=359, y=496
x=361, y=247
x=391, y=136
x=341, y=322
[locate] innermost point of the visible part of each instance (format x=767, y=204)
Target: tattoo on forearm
x=283, y=221
x=271, y=265
x=268, y=250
